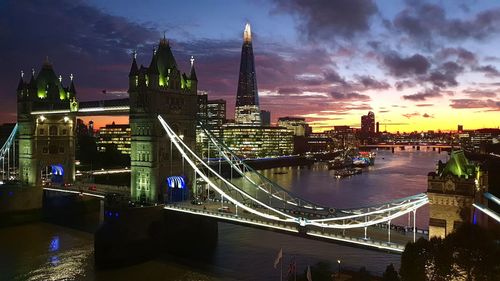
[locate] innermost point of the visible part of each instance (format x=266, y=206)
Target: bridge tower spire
x=168, y=93
x=46, y=141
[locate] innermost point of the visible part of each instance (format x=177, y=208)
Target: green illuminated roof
x=48, y=86
x=458, y=165
x=162, y=60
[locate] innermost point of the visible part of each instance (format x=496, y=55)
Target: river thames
x=43, y=251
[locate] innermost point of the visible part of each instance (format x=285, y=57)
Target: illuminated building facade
x=46, y=141
x=247, y=111
x=451, y=190
x=117, y=135
x=297, y=125
x=216, y=116
x=258, y=142
x=159, y=89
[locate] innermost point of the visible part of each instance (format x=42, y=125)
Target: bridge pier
x=20, y=205
x=131, y=235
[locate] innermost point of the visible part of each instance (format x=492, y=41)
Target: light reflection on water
x=49, y=252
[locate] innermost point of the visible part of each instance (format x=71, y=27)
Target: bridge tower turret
x=46, y=141
x=160, y=90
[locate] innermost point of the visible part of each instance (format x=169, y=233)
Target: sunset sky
x=428, y=64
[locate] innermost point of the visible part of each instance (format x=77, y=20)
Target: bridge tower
x=452, y=190
x=159, y=89
x=46, y=141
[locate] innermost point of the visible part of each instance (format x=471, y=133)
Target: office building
x=265, y=117
x=368, y=124
x=117, y=135
x=258, y=142
x=297, y=125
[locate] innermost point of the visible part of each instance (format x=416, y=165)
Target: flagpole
x=294, y=269
x=281, y=274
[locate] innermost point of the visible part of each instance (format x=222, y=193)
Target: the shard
x=247, y=111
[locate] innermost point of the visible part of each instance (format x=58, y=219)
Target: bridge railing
x=264, y=207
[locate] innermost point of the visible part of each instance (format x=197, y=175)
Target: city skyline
x=405, y=62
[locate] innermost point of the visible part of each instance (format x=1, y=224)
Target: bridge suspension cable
x=184, y=150
x=5, y=154
x=259, y=180
x=275, y=196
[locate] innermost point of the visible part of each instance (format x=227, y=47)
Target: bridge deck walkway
x=376, y=236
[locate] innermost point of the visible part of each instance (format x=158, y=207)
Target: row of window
x=53, y=131
x=53, y=149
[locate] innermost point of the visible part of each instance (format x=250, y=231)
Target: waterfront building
x=452, y=189
x=368, y=125
x=319, y=142
x=257, y=142
x=300, y=130
x=297, y=125
x=344, y=136
x=216, y=116
x=117, y=135
x=479, y=140
x=91, y=128
x=202, y=106
x=81, y=128
x=247, y=111
x=211, y=113
x=265, y=117
x=201, y=117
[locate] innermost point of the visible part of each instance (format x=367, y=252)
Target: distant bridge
x=412, y=145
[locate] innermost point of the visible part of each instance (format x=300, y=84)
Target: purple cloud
x=327, y=19
x=422, y=96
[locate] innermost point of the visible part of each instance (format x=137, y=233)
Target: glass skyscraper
x=247, y=111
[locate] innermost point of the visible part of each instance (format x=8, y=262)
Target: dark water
x=48, y=252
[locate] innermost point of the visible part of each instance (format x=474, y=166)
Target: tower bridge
x=169, y=176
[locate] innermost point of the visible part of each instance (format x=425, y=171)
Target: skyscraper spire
x=247, y=109
x=247, y=34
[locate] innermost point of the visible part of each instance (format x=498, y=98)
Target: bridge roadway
x=377, y=236
x=91, y=189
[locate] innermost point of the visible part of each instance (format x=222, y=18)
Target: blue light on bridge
x=176, y=182
x=57, y=170
x=54, y=244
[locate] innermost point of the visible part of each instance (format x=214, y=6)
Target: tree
x=469, y=253
x=474, y=253
x=390, y=274
x=322, y=271
x=362, y=275
x=413, y=261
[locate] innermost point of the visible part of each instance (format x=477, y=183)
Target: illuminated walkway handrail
x=276, y=191
x=363, y=217
x=183, y=148
x=281, y=194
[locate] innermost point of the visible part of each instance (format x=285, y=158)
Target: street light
x=338, y=261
